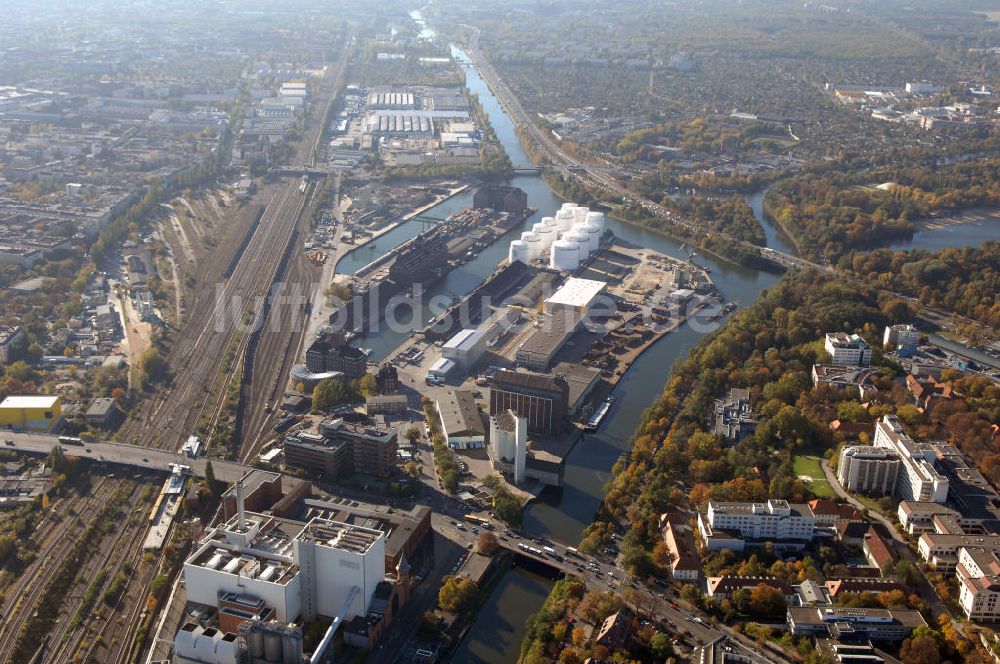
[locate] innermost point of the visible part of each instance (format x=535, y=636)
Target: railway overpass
x=104, y=451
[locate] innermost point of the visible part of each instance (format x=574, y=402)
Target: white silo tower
x=580, y=214
x=581, y=241
x=593, y=233
x=597, y=218
x=546, y=233
x=564, y=220
x=564, y=256
x=534, y=244
x=519, y=252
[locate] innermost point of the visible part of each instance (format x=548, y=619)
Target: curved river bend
x=496, y=635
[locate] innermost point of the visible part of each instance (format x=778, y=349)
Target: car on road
x=145, y=460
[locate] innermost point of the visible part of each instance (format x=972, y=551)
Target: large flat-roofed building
x=317, y=454
x=465, y=348
x=543, y=400
x=405, y=530
x=299, y=570
x=848, y=349
x=735, y=525
x=342, y=565
x=853, y=624
x=734, y=417
x=362, y=447
x=576, y=295
x=940, y=551
x=30, y=413
x=868, y=469
x=978, y=575
x=461, y=420
x=373, y=448
x=917, y=479
x=902, y=336
x=539, y=349
x=919, y=517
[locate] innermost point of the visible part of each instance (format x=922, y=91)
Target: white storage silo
x=568, y=205
x=581, y=241
x=597, y=218
x=564, y=220
x=593, y=232
x=534, y=244
x=580, y=214
x=546, y=233
x=519, y=252
x=564, y=256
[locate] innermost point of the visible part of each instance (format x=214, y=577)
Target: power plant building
x=300, y=571
x=543, y=400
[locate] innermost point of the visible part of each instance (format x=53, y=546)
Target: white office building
x=918, y=479
x=868, y=469
x=848, y=349
x=978, y=573
x=734, y=525
x=902, y=336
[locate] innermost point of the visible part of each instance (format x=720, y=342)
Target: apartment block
x=978, y=573
x=902, y=336
x=917, y=479
x=848, y=349
x=853, y=624
x=868, y=469
x=736, y=525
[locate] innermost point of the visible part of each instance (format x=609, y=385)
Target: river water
x=496, y=635
x=970, y=230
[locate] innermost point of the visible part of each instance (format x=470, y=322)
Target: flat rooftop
x=577, y=292
x=40, y=401
x=342, y=536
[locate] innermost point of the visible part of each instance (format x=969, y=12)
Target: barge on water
x=595, y=420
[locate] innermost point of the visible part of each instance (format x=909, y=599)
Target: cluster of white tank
x=566, y=239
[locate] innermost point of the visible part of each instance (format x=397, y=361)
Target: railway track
x=35, y=588
x=125, y=540
x=174, y=415
x=281, y=339
x=25, y=592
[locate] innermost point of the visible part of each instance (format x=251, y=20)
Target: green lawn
x=808, y=466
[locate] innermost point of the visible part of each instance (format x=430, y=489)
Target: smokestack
x=241, y=517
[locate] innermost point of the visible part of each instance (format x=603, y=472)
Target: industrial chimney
x=241, y=517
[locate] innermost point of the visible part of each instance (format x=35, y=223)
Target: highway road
x=119, y=453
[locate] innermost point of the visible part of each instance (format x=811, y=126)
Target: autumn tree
x=456, y=594
x=767, y=600
x=487, y=543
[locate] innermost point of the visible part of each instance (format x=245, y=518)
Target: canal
x=496, y=635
